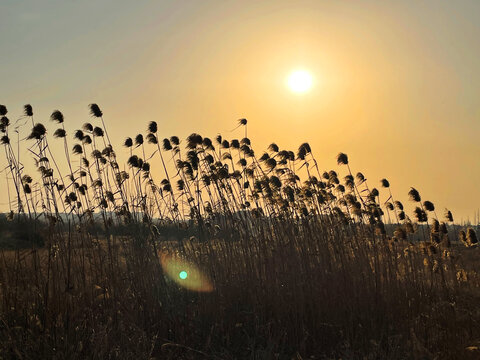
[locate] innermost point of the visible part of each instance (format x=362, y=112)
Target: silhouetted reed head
x=428, y=205
x=342, y=159
x=97, y=131
x=152, y=139
x=38, y=132
x=420, y=214
x=60, y=133
x=448, y=215
x=167, y=146
x=414, y=195
x=87, y=127
x=128, y=142
x=95, y=110
x=57, y=116
x=28, y=110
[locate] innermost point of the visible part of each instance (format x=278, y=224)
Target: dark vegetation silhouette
x=302, y=263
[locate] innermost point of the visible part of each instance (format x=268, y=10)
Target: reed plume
x=259, y=218
x=414, y=195
x=95, y=111
x=342, y=159
x=28, y=110
x=57, y=116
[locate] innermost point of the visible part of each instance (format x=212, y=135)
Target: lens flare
x=185, y=274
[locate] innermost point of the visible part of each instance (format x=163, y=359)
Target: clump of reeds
x=272, y=231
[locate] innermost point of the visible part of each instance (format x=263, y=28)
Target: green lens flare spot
x=183, y=275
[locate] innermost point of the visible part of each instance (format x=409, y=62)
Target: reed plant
x=299, y=264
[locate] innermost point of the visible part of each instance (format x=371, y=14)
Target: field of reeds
x=228, y=254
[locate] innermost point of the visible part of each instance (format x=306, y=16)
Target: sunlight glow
x=300, y=81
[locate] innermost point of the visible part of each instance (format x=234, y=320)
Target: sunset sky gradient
x=396, y=84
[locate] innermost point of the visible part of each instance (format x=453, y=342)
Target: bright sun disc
x=300, y=81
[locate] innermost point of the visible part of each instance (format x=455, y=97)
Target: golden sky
x=395, y=83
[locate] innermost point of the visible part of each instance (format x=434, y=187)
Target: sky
x=395, y=83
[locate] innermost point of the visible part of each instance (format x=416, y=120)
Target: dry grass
x=296, y=269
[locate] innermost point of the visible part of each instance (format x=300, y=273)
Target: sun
x=300, y=81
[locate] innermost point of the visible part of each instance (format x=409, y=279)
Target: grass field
x=230, y=256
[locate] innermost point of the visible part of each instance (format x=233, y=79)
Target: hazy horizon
x=395, y=85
